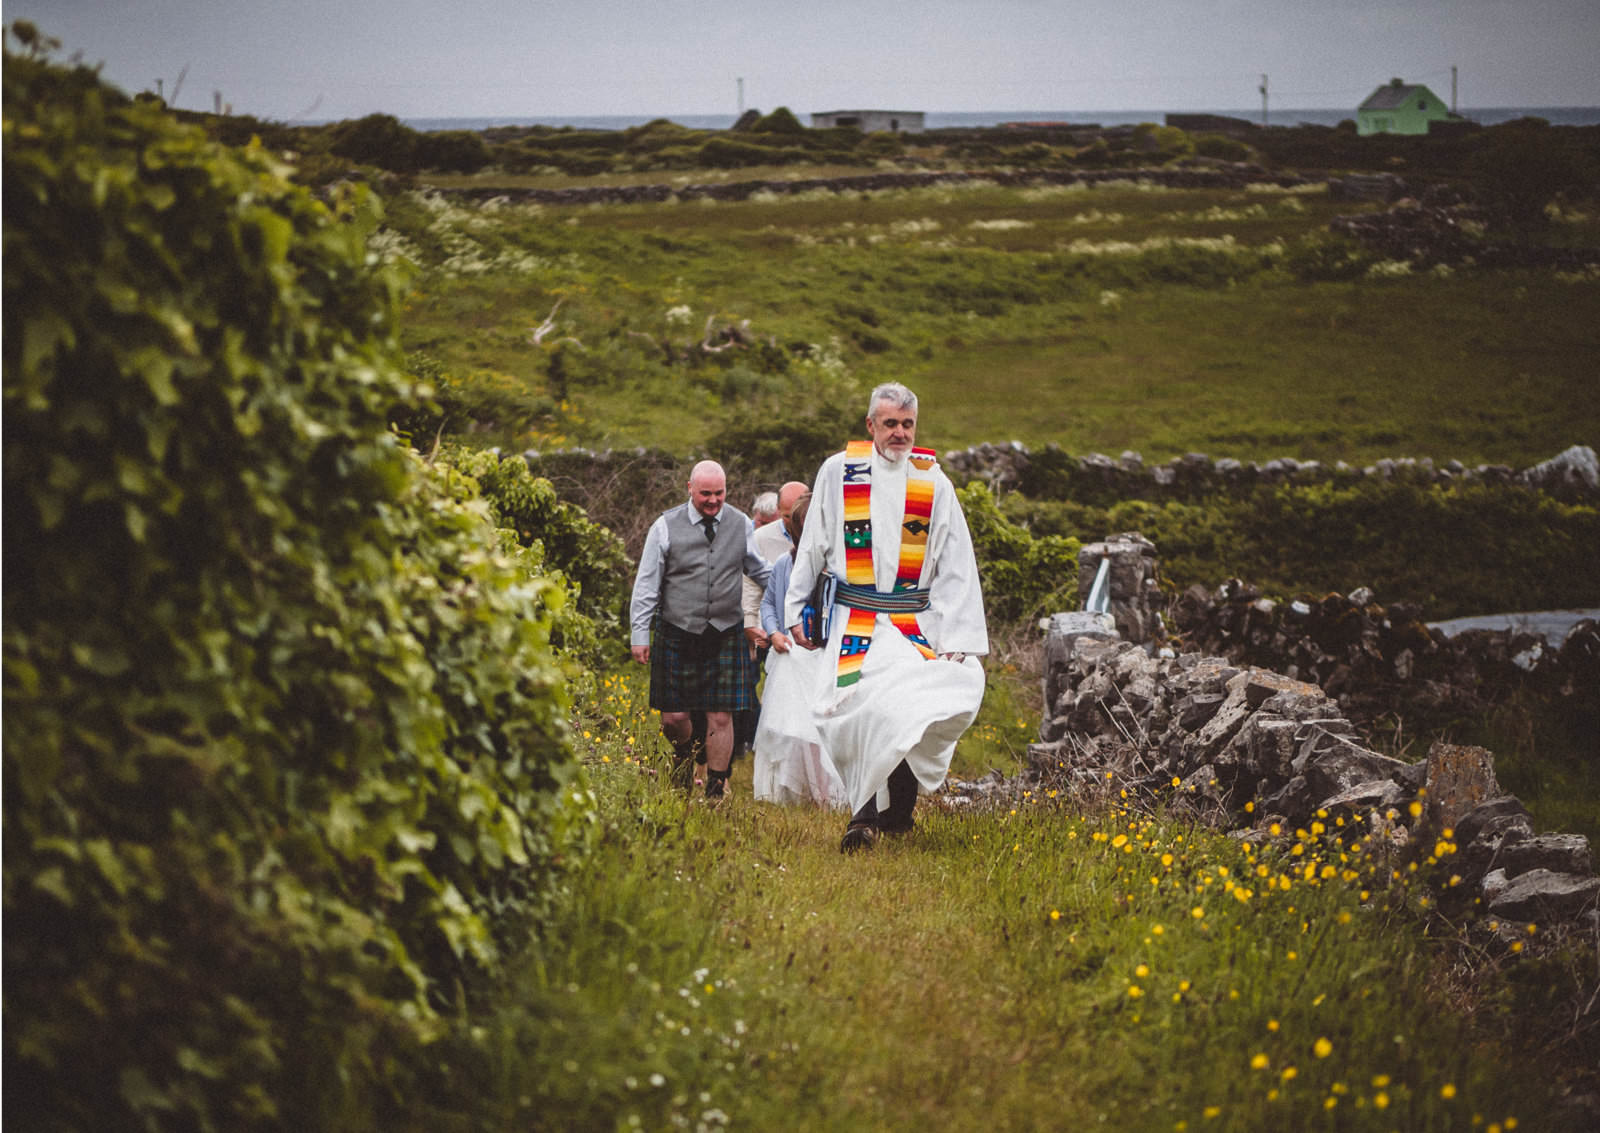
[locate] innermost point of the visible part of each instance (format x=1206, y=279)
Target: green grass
x=1325, y=371
x=1057, y=964
x=1042, y=316
x=731, y=967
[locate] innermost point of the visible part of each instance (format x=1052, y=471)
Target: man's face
x=893, y=430
x=707, y=490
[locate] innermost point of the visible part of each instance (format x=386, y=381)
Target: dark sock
x=716, y=783
x=902, y=798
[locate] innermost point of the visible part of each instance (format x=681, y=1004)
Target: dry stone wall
x=1385, y=661
x=1573, y=473
x=1224, y=176
x=1246, y=748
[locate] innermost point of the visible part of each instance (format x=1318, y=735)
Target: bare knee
x=676, y=726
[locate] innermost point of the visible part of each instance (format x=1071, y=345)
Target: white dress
x=904, y=707
x=790, y=765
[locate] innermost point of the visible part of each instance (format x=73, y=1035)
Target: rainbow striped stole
x=858, y=571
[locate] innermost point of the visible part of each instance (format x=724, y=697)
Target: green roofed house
x=1400, y=107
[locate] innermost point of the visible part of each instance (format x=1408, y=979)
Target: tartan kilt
x=710, y=671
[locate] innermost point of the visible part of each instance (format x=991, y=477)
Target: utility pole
x=1263, y=100
x=1452, y=88
x=741, y=97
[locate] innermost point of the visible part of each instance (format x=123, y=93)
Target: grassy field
x=1062, y=962
x=1226, y=322
x=1053, y=964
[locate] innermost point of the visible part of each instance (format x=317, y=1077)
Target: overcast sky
x=291, y=59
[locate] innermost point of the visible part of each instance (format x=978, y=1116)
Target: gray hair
x=895, y=393
x=765, y=504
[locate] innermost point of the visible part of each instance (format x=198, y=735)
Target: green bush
x=767, y=445
x=1222, y=147
x=1469, y=549
x=285, y=757
x=565, y=541
x=726, y=153
x=378, y=139
x=451, y=151
x=1524, y=165
x=1024, y=576
x=780, y=121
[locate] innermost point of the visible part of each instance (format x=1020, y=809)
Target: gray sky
x=286, y=59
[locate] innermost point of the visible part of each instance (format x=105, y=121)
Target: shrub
x=1222, y=147
x=725, y=153
x=1024, y=577
x=780, y=121
x=1528, y=551
x=451, y=151
x=882, y=144
x=378, y=139
x=285, y=754
x=1522, y=166
x=564, y=540
x=767, y=446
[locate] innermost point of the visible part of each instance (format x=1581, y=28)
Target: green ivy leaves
x=285, y=757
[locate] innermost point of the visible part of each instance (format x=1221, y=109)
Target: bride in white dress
x=791, y=765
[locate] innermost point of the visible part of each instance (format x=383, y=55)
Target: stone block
x=1543, y=895
x=1557, y=853
x=1459, y=778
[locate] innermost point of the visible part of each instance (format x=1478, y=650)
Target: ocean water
x=941, y=119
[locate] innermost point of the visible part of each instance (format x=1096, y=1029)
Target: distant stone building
x=1399, y=107
x=872, y=121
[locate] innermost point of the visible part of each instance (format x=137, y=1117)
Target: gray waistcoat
x=700, y=586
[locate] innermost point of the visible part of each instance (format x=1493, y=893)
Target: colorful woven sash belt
x=860, y=578
x=879, y=601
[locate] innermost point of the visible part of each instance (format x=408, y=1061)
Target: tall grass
x=1059, y=963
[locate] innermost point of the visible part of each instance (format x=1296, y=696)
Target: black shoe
x=892, y=824
x=858, y=836
x=716, y=785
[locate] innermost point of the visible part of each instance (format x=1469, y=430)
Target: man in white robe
x=894, y=698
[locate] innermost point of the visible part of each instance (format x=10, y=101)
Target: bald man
x=687, y=624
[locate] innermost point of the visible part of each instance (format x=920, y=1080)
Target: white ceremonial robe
x=904, y=707
x=790, y=765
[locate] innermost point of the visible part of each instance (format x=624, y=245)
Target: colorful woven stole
x=858, y=571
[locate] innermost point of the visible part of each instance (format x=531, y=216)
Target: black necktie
x=711, y=527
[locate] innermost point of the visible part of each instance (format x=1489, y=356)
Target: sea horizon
x=948, y=119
